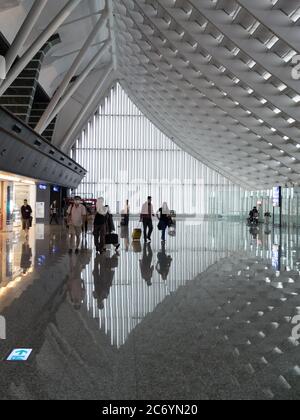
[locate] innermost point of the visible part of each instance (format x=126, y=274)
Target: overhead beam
x=25, y=30
x=38, y=44
x=102, y=85
x=275, y=20
x=41, y=126
x=75, y=86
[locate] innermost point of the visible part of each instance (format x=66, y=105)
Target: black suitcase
x=112, y=239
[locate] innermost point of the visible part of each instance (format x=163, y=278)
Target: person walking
x=100, y=225
x=110, y=227
x=146, y=218
x=85, y=226
x=53, y=213
x=164, y=217
x=76, y=216
x=26, y=212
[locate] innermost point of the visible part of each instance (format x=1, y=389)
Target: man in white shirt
x=146, y=217
x=76, y=216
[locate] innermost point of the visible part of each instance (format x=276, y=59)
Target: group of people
x=163, y=215
x=77, y=214
x=77, y=221
x=254, y=217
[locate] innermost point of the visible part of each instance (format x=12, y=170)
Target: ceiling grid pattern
x=218, y=76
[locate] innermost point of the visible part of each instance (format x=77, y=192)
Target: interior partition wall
x=127, y=157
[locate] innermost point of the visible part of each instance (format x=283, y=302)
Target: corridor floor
x=212, y=315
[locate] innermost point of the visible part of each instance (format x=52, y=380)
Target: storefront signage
x=40, y=210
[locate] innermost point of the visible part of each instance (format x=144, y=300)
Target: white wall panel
x=127, y=157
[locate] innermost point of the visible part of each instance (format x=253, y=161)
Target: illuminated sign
x=19, y=355
x=275, y=257
x=42, y=187
x=276, y=196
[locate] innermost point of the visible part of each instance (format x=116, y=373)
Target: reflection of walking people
x=146, y=266
x=26, y=212
x=53, y=213
x=26, y=257
x=146, y=217
x=75, y=284
x=100, y=225
x=164, y=262
x=126, y=214
x=76, y=216
x=104, y=272
x=125, y=236
x=164, y=217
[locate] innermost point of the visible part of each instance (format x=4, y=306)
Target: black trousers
x=99, y=234
x=55, y=218
x=148, y=228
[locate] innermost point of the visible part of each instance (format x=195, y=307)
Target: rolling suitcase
x=137, y=234
x=112, y=239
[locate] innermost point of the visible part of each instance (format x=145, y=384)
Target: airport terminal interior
x=149, y=200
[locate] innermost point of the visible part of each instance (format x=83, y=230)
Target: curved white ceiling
x=217, y=75
x=214, y=75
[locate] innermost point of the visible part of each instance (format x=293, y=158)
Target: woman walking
x=100, y=225
x=164, y=217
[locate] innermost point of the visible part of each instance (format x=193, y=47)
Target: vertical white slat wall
x=127, y=157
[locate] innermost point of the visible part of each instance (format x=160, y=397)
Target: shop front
x=14, y=190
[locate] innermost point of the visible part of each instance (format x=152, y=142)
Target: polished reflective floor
x=210, y=315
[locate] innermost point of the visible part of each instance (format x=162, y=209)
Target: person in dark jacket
x=164, y=217
x=110, y=227
x=100, y=226
x=26, y=212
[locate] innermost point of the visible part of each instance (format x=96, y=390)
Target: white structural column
x=104, y=83
x=75, y=86
x=24, y=32
x=38, y=44
x=44, y=121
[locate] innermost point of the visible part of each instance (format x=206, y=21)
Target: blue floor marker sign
x=19, y=355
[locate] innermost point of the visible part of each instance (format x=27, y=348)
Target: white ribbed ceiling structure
x=216, y=76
